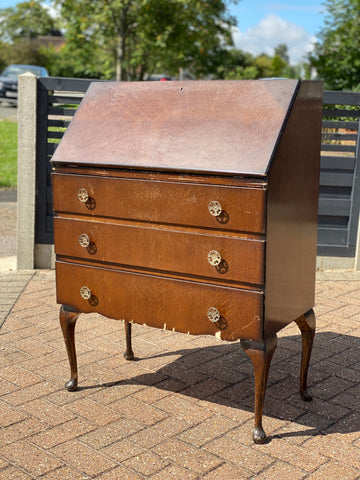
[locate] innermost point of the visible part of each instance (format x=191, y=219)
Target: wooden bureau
x=192, y=206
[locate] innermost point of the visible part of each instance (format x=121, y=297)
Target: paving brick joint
x=184, y=409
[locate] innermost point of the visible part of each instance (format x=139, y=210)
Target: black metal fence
x=57, y=101
x=339, y=198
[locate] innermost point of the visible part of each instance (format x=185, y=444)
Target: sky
x=261, y=26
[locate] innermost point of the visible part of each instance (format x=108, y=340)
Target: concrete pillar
x=27, y=94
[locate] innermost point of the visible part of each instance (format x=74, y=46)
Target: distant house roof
x=47, y=40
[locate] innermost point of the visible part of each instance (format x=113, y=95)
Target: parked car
x=159, y=77
x=9, y=80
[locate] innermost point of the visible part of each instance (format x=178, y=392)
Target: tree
x=239, y=65
x=19, y=28
x=282, y=52
x=138, y=37
x=26, y=20
x=3, y=49
x=235, y=64
x=264, y=65
x=337, y=55
x=25, y=51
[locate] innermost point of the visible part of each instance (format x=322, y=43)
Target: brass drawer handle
x=215, y=208
x=83, y=195
x=84, y=240
x=85, y=292
x=213, y=314
x=214, y=258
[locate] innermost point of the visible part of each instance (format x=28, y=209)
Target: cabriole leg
x=128, y=354
x=260, y=354
x=307, y=325
x=68, y=317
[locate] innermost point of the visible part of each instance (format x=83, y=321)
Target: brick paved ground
x=184, y=409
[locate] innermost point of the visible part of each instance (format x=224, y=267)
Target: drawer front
x=224, y=207
x=166, y=303
x=189, y=252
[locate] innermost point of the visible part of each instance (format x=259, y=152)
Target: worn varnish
x=192, y=206
x=207, y=127
x=178, y=203
x=168, y=249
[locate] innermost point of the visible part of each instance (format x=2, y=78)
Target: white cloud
x=269, y=33
x=53, y=10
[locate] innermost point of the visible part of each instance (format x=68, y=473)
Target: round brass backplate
x=83, y=195
x=85, y=292
x=213, y=314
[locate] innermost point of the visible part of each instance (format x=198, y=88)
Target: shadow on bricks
x=220, y=377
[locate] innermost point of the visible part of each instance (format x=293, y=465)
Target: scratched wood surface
x=173, y=202
x=171, y=249
x=215, y=126
x=162, y=302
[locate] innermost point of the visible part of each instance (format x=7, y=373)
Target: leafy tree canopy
x=142, y=36
x=132, y=39
x=25, y=21
x=24, y=51
x=282, y=51
x=337, y=54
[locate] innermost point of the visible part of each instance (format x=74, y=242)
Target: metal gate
x=339, y=198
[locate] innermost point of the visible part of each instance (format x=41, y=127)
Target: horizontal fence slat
x=65, y=84
x=332, y=221
x=58, y=123
x=337, y=207
x=341, y=98
x=61, y=99
x=341, y=179
x=342, y=137
x=335, y=112
x=348, y=125
x=336, y=251
x=55, y=134
x=337, y=163
x=332, y=147
x=334, y=192
x=66, y=112
x=332, y=236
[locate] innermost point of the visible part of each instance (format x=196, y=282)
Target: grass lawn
x=8, y=154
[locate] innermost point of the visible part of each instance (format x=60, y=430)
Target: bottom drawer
x=171, y=304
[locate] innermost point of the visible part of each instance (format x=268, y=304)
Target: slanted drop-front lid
x=224, y=127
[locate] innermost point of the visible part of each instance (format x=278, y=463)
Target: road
x=7, y=111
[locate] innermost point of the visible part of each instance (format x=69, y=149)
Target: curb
x=8, y=264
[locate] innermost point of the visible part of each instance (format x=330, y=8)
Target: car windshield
x=15, y=70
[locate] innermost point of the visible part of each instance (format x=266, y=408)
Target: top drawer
x=202, y=205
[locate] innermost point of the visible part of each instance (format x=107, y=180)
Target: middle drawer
x=145, y=246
